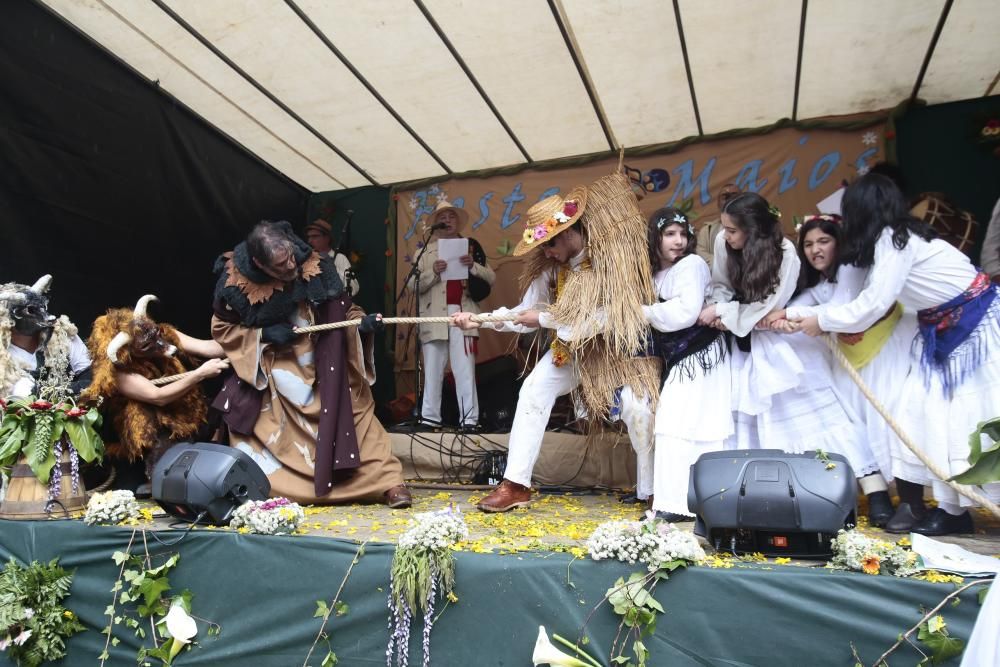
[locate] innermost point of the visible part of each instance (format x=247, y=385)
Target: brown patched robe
x=283, y=437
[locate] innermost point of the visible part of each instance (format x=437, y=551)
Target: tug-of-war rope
x=969, y=492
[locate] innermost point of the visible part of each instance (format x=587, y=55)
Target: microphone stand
x=418, y=357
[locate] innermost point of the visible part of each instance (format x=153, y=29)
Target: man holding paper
x=453, y=278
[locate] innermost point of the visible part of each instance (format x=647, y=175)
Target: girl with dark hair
x=694, y=413
x=954, y=373
x=780, y=400
x=880, y=354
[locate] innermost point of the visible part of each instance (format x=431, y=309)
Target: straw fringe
x=618, y=283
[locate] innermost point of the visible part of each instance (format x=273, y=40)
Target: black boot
x=671, y=517
x=939, y=522
x=911, y=507
x=880, y=509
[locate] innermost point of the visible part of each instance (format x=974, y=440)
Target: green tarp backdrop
x=263, y=592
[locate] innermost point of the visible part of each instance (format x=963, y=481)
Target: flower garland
x=111, y=507
x=277, y=516
x=423, y=570
x=854, y=551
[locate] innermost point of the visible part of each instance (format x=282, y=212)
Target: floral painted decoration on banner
x=542, y=231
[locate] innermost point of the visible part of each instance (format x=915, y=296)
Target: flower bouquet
x=111, y=507
x=277, y=516
x=854, y=551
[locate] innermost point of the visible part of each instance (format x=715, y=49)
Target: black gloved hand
x=279, y=334
x=371, y=323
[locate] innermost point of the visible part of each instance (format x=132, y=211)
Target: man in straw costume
x=300, y=406
x=439, y=343
x=130, y=350
x=586, y=259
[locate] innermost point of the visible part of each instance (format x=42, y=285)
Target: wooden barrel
x=26, y=497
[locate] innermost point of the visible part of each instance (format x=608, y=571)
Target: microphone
x=437, y=225
x=343, y=232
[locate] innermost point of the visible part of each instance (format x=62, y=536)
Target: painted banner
x=794, y=169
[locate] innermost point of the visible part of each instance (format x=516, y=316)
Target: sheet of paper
x=938, y=555
x=831, y=205
x=450, y=250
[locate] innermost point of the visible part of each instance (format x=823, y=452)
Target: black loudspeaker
x=202, y=478
x=770, y=501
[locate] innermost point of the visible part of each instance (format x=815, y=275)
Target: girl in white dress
x=954, y=377
x=879, y=354
x=694, y=413
x=780, y=401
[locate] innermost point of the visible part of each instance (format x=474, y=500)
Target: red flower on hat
x=570, y=208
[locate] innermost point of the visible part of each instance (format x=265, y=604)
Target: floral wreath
x=678, y=219
x=542, y=231
x=829, y=217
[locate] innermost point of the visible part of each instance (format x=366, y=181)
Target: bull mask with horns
x=28, y=306
x=144, y=338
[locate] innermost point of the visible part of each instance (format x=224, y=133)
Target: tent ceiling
x=340, y=93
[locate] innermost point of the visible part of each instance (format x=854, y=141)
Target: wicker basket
x=26, y=497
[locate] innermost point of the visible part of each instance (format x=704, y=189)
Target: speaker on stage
x=201, y=478
x=769, y=501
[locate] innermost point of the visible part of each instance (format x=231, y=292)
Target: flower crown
x=678, y=219
x=774, y=210
x=544, y=229
x=835, y=219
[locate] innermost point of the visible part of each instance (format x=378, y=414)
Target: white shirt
x=79, y=360
x=740, y=318
x=850, y=282
x=682, y=288
x=922, y=275
x=540, y=293
x=343, y=264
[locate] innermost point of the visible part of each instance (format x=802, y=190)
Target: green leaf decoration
x=321, y=609
x=506, y=248
x=342, y=608
x=984, y=463
x=942, y=646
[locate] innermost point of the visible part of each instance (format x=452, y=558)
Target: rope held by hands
x=967, y=491
x=159, y=382
x=402, y=320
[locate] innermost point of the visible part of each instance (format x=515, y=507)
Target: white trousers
x=544, y=384
x=436, y=354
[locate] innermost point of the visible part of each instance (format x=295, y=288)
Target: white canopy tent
x=343, y=93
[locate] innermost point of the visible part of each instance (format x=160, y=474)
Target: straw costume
x=593, y=303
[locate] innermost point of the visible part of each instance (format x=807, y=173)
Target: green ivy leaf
x=330, y=660
x=321, y=609
x=942, y=646
x=342, y=608
x=119, y=557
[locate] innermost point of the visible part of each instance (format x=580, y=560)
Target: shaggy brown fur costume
x=138, y=423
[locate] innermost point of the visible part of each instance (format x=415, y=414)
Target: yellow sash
x=862, y=347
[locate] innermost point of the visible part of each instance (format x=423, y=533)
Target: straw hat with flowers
x=550, y=217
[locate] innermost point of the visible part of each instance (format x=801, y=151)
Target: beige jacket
x=433, y=296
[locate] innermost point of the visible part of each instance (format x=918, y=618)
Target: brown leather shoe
x=506, y=497
x=398, y=497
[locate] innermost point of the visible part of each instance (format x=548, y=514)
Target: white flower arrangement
x=855, y=551
x=435, y=530
x=277, y=516
x=650, y=541
x=111, y=507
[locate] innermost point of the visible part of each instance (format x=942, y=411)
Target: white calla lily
x=546, y=653
x=181, y=627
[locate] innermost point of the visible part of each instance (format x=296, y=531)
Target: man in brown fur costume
x=300, y=405
x=130, y=350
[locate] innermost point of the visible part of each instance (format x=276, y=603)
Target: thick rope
x=403, y=320
x=968, y=491
x=159, y=382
